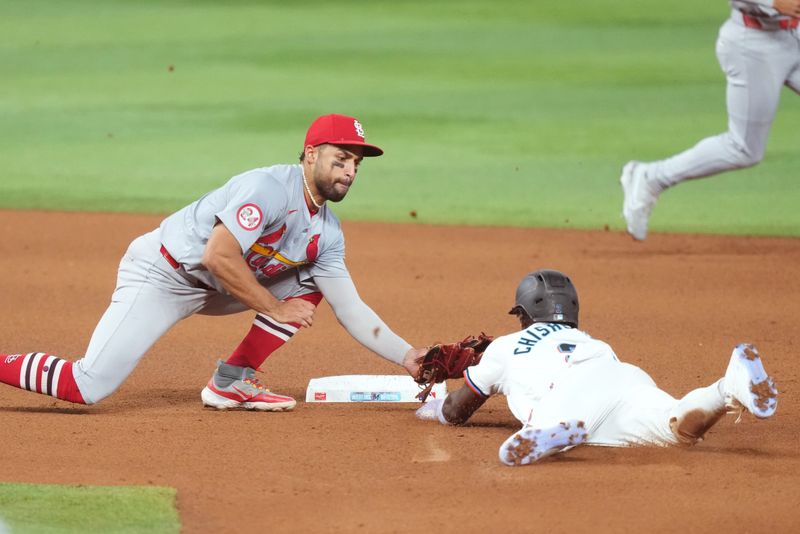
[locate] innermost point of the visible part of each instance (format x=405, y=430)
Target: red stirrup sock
x=41, y=373
x=265, y=337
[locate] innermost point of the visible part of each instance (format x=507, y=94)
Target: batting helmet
x=547, y=296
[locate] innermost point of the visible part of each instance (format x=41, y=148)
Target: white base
x=367, y=388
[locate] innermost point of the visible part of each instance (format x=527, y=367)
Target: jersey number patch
x=249, y=217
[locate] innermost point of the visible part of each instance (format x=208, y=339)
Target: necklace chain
x=308, y=189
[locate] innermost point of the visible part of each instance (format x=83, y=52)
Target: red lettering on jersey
x=273, y=269
x=273, y=237
x=313, y=248
x=255, y=261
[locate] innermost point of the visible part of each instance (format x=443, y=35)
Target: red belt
x=167, y=256
x=784, y=24
x=175, y=265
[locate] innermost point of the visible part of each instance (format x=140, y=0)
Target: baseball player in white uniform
x=759, y=50
x=567, y=388
x=265, y=241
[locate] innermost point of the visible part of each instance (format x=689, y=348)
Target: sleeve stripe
x=472, y=386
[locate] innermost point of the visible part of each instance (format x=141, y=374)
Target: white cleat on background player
x=639, y=198
x=747, y=384
x=242, y=392
x=530, y=444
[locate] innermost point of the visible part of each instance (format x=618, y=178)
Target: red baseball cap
x=339, y=130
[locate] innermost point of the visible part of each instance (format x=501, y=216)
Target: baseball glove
x=448, y=360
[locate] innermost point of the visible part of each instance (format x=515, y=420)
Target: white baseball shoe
x=747, y=385
x=532, y=444
x=639, y=198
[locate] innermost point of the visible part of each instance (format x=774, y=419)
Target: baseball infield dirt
x=674, y=305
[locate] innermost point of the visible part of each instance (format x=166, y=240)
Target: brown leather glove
x=448, y=360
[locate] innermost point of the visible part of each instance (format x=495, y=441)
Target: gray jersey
x=290, y=251
x=265, y=210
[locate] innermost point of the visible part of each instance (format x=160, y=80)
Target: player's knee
x=92, y=390
x=747, y=155
x=93, y=396
x=750, y=159
x=692, y=426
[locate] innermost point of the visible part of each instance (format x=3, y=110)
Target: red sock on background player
x=41, y=373
x=265, y=337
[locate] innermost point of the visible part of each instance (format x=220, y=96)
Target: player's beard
x=328, y=189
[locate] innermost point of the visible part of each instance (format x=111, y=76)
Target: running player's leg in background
x=793, y=81
x=755, y=69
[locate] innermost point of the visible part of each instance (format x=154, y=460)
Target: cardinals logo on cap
x=339, y=130
x=359, y=129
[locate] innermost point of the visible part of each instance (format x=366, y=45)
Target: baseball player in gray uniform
x=567, y=388
x=265, y=241
x=759, y=51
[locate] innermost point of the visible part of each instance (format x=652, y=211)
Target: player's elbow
x=218, y=265
x=211, y=261
x=214, y=258
x=221, y=250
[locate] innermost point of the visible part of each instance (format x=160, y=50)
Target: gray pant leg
x=793, y=81
x=149, y=299
x=756, y=65
x=219, y=304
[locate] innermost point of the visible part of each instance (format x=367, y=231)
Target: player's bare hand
x=294, y=311
x=788, y=7
x=412, y=359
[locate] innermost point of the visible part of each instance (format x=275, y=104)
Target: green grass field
x=491, y=112
x=29, y=509
x=498, y=113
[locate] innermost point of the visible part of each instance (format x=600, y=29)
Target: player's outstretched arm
x=223, y=258
x=364, y=324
